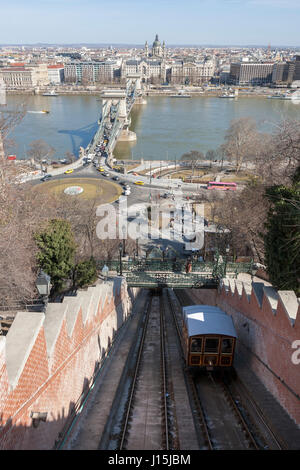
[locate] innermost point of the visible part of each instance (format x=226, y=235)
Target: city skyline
x=199, y=22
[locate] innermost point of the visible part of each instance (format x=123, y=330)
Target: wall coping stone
x=258, y=290
x=54, y=318
x=272, y=295
x=290, y=304
x=20, y=340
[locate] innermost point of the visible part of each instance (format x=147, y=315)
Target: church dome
x=156, y=42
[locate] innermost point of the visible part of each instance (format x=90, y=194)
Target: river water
x=165, y=127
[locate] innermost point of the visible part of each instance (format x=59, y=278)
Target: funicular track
x=251, y=430
x=149, y=396
x=200, y=422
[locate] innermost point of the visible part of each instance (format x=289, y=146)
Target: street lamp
x=120, y=253
x=226, y=259
x=124, y=240
x=104, y=272
x=43, y=286
x=253, y=272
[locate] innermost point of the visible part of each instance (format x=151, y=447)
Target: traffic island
x=84, y=188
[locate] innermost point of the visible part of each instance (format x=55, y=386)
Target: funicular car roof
x=206, y=320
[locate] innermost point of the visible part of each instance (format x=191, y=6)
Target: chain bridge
x=115, y=116
x=153, y=273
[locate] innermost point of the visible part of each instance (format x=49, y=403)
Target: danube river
x=165, y=127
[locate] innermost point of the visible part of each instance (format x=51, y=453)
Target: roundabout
x=84, y=188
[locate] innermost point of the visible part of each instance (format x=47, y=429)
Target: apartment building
x=149, y=69
x=283, y=73
x=2, y=92
x=56, y=74
x=91, y=72
x=194, y=73
x=24, y=75
x=251, y=73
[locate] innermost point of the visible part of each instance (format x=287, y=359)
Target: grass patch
x=93, y=188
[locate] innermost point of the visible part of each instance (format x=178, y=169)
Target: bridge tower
x=121, y=131
x=134, y=80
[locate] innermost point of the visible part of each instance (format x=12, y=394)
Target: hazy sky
x=241, y=22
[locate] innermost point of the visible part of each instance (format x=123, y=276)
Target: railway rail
x=160, y=404
x=201, y=425
x=265, y=436
x=133, y=430
x=134, y=381
x=165, y=394
x=252, y=422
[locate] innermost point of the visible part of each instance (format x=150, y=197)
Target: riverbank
x=94, y=91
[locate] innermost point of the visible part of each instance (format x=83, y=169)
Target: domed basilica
x=158, y=50
x=150, y=65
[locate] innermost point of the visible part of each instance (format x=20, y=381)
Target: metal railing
x=172, y=280
x=21, y=306
x=173, y=273
x=175, y=266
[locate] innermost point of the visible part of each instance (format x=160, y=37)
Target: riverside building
x=91, y=72
x=194, y=73
x=283, y=73
x=24, y=75
x=151, y=66
x=56, y=74
x=250, y=73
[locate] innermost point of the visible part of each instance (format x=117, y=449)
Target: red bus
x=221, y=185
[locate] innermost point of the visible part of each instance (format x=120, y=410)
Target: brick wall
x=47, y=360
x=267, y=324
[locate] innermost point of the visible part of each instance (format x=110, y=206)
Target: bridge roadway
x=115, y=116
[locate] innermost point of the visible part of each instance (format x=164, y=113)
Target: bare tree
x=8, y=121
x=39, y=150
x=239, y=141
x=244, y=215
x=279, y=155
x=21, y=213
x=193, y=157
x=70, y=157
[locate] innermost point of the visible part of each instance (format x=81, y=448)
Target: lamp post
x=124, y=240
x=43, y=286
x=226, y=259
x=253, y=272
x=120, y=253
x=104, y=272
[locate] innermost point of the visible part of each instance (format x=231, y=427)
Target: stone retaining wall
x=268, y=327
x=47, y=360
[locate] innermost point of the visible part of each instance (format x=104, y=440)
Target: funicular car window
x=195, y=360
x=227, y=344
x=196, y=345
x=211, y=345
